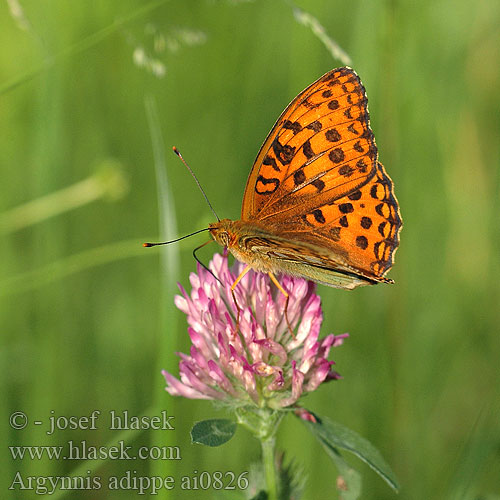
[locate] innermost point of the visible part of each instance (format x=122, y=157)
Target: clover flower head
x=254, y=359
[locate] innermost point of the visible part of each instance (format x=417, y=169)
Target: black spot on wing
x=318, y=184
x=299, y=177
x=361, y=242
x=357, y=146
x=318, y=215
x=333, y=104
x=336, y=155
x=332, y=135
x=269, y=160
x=266, y=186
x=295, y=127
x=346, y=208
x=352, y=129
x=346, y=170
x=362, y=166
x=316, y=126
x=284, y=153
x=366, y=222
x=307, y=149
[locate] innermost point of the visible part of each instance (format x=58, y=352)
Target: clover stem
x=263, y=423
x=270, y=466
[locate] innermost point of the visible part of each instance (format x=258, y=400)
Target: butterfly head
x=235, y=235
x=223, y=232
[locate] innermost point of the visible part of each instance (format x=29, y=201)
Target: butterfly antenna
x=201, y=263
x=178, y=153
x=173, y=241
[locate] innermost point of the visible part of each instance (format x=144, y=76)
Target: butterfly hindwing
x=363, y=226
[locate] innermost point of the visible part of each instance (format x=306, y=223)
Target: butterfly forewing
x=321, y=148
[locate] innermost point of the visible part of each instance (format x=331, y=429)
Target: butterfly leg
x=233, y=286
x=287, y=298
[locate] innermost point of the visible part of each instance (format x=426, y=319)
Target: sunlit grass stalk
x=62, y=268
x=169, y=274
x=108, y=181
x=319, y=31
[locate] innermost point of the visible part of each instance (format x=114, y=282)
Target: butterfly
x=318, y=204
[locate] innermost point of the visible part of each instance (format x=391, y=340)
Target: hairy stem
x=270, y=467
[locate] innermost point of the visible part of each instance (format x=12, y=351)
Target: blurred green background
x=92, y=97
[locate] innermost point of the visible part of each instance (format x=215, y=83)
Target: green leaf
x=349, y=480
x=334, y=435
x=213, y=432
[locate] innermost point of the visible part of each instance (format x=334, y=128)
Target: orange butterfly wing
x=317, y=178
